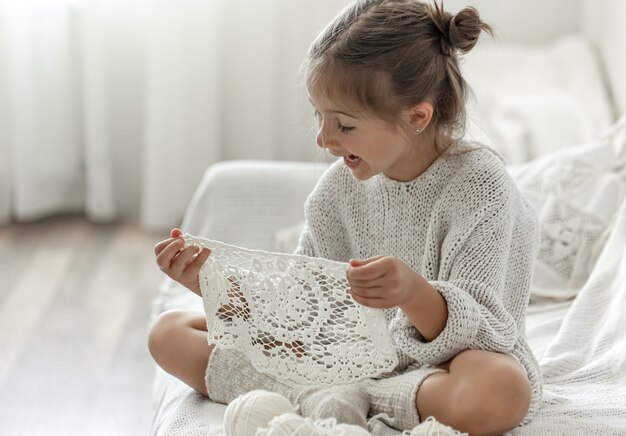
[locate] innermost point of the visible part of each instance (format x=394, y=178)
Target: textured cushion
x=576, y=193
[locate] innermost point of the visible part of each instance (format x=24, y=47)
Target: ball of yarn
x=431, y=427
x=292, y=424
x=248, y=412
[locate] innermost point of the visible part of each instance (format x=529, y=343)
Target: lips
x=351, y=160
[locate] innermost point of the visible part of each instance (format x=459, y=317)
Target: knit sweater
x=462, y=225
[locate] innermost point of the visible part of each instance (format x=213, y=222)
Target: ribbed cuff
x=461, y=327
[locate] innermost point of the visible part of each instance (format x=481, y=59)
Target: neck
x=424, y=152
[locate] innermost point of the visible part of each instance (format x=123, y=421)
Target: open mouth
x=352, y=160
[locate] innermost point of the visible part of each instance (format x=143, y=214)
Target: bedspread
x=584, y=366
x=581, y=346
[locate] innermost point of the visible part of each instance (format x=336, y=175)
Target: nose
x=320, y=139
x=323, y=139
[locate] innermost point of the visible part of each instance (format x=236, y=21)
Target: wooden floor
x=75, y=301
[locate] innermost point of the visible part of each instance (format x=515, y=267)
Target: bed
x=576, y=182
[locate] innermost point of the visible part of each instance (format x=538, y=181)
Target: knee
x=163, y=333
x=497, y=396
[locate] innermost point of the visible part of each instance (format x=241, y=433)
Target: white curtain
x=116, y=107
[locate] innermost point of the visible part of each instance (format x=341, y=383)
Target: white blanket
x=584, y=367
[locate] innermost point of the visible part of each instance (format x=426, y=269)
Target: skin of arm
x=426, y=309
x=385, y=282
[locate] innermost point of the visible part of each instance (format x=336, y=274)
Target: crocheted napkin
x=292, y=316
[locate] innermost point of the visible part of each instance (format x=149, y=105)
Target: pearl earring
x=418, y=131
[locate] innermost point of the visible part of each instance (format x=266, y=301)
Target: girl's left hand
x=382, y=282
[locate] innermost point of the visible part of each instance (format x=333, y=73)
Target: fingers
x=374, y=283
x=161, y=245
x=194, y=266
x=180, y=262
x=201, y=258
x=369, y=269
x=190, y=260
x=175, y=233
x=167, y=253
x=370, y=292
x=358, y=262
x=376, y=303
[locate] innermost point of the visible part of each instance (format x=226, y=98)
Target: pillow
x=532, y=100
x=576, y=194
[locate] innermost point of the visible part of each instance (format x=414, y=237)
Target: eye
x=345, y=129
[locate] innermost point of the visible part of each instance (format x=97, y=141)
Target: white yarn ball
x=288, y=424
x=291, y=424
x=248, y=412
x=431, y=427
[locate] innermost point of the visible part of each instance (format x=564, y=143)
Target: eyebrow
x=335, y=112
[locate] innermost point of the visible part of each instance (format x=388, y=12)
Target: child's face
x=368, y=145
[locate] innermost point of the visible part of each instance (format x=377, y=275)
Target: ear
x=419, y=116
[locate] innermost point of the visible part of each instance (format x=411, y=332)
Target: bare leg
x=483, y=393
x=178, y=343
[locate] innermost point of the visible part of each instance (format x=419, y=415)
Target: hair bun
x=465, y=28
x=460, y=31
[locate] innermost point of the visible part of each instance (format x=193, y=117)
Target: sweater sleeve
x=485, y=279
x=306, y=245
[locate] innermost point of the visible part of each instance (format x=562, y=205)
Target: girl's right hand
x=179, y=263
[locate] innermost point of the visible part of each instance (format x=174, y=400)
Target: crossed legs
x=178, y=343
x=480, y=392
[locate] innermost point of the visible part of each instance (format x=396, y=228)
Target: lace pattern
x=292, y=316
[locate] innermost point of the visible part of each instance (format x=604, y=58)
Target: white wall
x=526, y=21
x=604, y=24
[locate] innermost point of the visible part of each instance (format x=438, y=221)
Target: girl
x=434, y=229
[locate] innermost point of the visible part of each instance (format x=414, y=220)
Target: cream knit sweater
x=462, y=225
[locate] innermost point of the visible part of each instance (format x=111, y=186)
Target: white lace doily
x=292, y=316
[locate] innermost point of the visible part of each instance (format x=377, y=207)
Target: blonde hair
x=388, y=55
